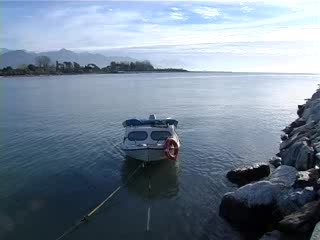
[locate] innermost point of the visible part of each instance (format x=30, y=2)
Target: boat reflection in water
x=162, y=175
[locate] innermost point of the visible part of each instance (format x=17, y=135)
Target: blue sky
x=252, y=35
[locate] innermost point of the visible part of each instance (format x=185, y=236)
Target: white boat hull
x=146, y=154
x=145, y=139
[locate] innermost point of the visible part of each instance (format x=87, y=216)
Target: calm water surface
x=60, y=150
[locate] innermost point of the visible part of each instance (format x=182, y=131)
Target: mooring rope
x=86, y=217
x=149, y=207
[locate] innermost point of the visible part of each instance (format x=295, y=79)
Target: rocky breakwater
x=282, y=196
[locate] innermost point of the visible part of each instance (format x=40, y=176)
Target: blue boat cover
x=142, y=122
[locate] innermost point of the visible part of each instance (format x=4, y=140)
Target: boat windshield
x=137, y=136
x=160, y=135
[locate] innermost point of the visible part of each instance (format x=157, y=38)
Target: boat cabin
x=151, y=131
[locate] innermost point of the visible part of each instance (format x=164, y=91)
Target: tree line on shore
x=43, y=65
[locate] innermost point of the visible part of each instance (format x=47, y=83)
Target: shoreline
x=182, y=71
x=88, y=73
x=280, y=199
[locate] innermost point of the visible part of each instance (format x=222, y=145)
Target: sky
x=220, y=35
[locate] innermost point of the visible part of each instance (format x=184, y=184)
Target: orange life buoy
x=171, y=148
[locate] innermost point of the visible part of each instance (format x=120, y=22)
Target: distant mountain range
x=14, y=58
x=4, y=50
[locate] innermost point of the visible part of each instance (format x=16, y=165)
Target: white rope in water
x=148, y=219
x=86, y=217
x=149, y=208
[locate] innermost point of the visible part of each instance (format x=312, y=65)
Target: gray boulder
x=316, y=232
x=317, y=159
x=292, y=199
x=295, y=124
x=316, y=95
x=277, y=235
x=316, y=146
x=280, y=154
x=256, y=204
x=294, y=138
x=242, y=176
x=274, y=235
x=287, y=129
x=284, y=137
x=284, y=175
x=251, y=205
x=307, y=178
x=299, y=137
x=304, y=129
x=301, y=221
x=315, y=134
x=300, y=155
x=298, y=123
x=312, y=110
x=300, y=110
x=305, y=158
x=275, y=161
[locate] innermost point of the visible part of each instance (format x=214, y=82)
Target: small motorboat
x=151, y=139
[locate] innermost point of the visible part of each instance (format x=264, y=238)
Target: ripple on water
x=60, y=150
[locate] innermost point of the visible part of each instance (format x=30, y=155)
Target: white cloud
x=119, y=29
x=178, y=16
x=246, y=9
x=165, y=33
x=207, y=12
x=213, y=1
